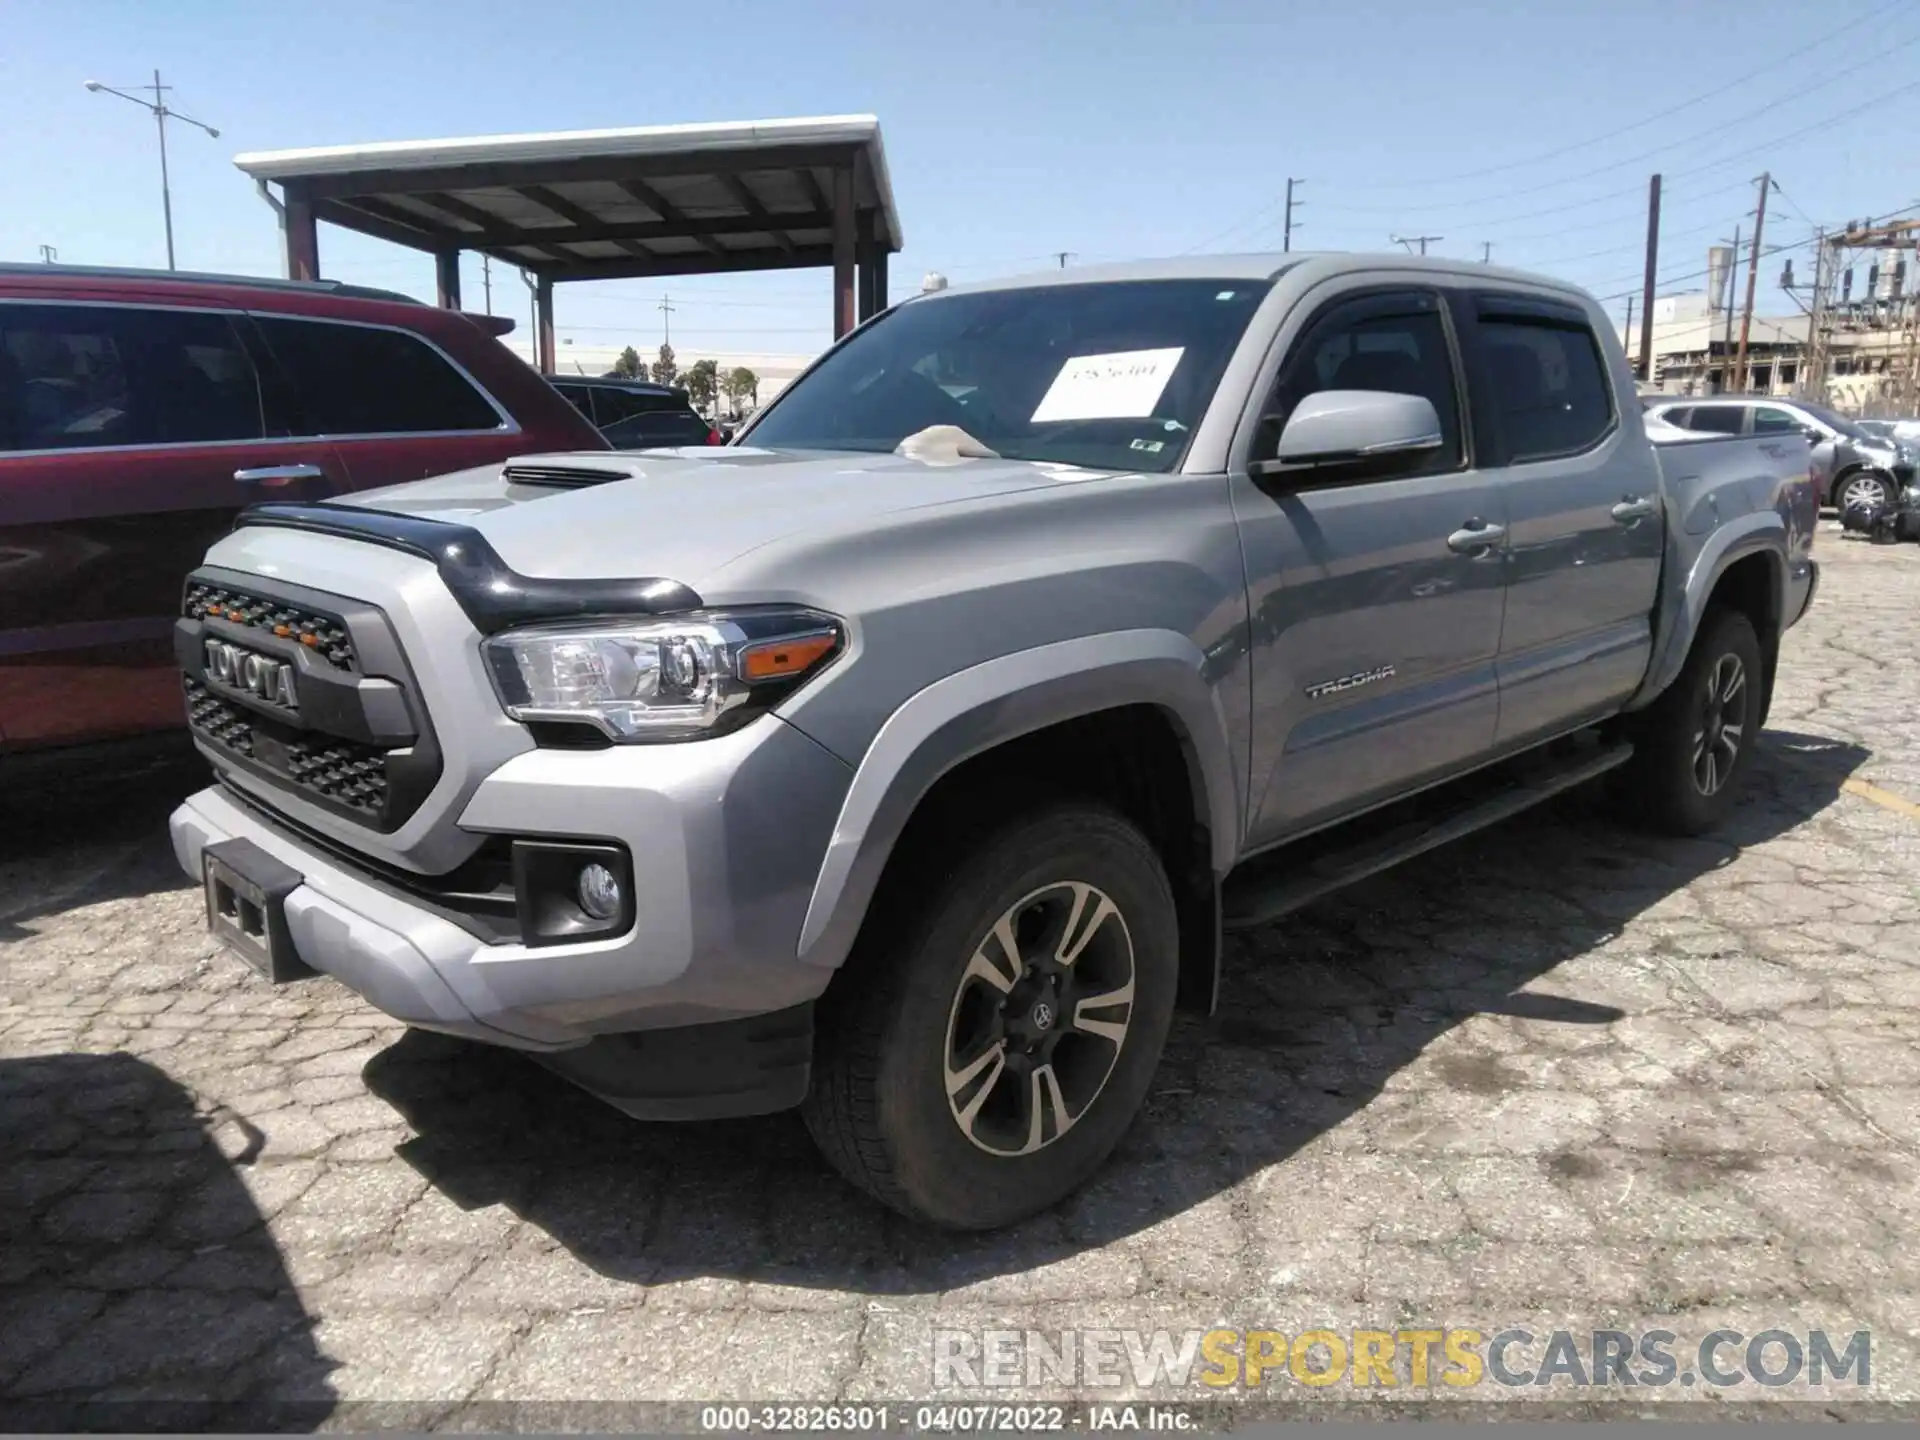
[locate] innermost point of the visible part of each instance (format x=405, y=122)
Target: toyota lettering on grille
x=262, y=675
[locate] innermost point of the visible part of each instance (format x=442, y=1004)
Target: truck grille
x=332, y=733
x=322, y=634
x=343, y=773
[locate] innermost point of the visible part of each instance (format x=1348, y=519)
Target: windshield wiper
x=944, y=445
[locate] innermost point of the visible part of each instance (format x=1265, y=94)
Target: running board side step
x=1285, y=879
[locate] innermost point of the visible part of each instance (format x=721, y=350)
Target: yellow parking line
x=1885, y=799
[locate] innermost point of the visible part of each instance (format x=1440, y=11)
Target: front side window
x=1109, y=374
x=359, y=380
x=85, y=376
x=1546, y=385
x=1767, y=420
x=1396, y=343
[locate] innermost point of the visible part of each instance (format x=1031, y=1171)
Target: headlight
x=669, y=679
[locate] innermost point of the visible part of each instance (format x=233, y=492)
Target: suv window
x=578, y=396
x=1396, y=343
x=1769, y=420
x=80, y=376
x=1547, y=386
x=1718, y=419
x=612, y=406
x=363, y=380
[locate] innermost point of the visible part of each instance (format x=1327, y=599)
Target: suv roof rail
x=259, y=282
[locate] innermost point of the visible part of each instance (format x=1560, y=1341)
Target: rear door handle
x=275, y=475
x=1476, y=537
x=1632, y=509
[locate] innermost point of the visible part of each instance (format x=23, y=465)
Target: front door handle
x=1476, y=537
x=1632, y=509
x=276, y=475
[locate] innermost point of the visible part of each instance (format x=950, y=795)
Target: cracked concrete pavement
x=1558, y=1076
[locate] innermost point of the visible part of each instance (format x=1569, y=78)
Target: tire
x=1863, y=485
x=1691, y=751
x=916, y=1013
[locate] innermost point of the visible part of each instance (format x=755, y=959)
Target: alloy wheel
x=1722, y=725
x=1862, y=488
x=1039, y=1018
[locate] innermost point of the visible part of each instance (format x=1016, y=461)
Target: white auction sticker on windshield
x=1124, y=385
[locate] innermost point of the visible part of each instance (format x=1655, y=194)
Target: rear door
x=1375, y=594
x=129, y=437
x=395, y=405
x=1581, y=493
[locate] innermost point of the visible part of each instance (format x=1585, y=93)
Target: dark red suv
x=140, y=410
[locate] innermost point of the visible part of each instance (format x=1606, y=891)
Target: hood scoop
x=561, y=477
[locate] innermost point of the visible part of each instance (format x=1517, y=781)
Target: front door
x=1376, y=594
x=1583, y=504
x=129, y=437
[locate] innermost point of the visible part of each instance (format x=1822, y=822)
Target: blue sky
x=1112, y=130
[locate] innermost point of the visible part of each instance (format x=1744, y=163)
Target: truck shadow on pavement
x=139, y=1286
x=1320, y=1012
x=78, y=837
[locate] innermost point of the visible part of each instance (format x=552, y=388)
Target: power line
x=1743, y=80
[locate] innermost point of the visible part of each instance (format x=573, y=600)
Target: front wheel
x=1693, y=744
x=1864, y=487
x=994, y=1035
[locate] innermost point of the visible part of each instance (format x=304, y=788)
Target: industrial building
x=1849, y=336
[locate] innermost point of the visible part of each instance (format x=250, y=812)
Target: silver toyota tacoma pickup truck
x=906, y=760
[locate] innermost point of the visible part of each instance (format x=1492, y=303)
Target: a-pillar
x=543, y=300
x=844, y=244
x=446, y=270
x=303, y=234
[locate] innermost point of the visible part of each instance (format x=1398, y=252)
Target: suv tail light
x=713, y=437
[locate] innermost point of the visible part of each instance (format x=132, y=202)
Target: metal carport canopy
x=611, y=204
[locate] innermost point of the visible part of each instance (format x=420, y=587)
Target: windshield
x=1114, y=375
x=1834, y=420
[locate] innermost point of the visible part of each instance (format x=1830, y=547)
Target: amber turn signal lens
x=783, y=659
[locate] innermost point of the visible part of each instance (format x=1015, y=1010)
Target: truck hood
x=684, y=514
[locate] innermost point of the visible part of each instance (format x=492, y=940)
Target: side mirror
x=1339, y=427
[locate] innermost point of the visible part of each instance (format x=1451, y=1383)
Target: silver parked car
x=1851, y=462
x=905, y=760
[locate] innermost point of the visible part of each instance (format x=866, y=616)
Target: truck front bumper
x=674, y=1018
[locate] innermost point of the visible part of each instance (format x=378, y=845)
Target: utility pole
x=1286, y=232
x=1411, y=240
x=1627, y=333
x=49, y=254
x=1809, y=369
x=1753, y=277
x=161, y=112
x=1653, y=266
x=1486, y=252
x=486, y=279
x=1726, y=346
x=1063, y=256
x=665, y=308
x=533, y=316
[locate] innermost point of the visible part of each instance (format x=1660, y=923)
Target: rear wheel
x=1692, y=746
x=994, y=1035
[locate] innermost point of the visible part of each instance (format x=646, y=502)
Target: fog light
x=599, y=892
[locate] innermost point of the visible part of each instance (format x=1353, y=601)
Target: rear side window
x=361, y=380
x=1546, y=385
x=1677, y=417
x=1717, y=419
x=85, y=376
